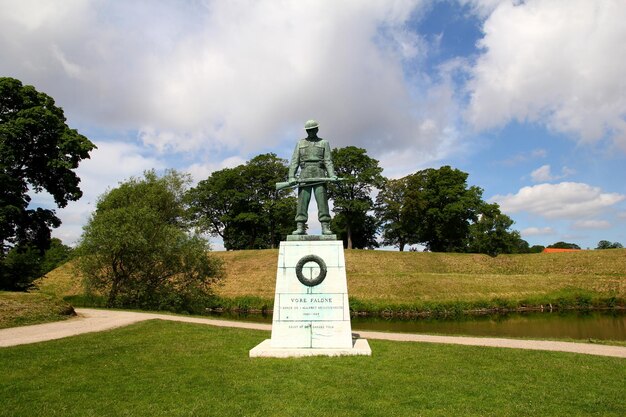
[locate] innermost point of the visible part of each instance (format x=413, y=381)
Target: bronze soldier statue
x=312, y=156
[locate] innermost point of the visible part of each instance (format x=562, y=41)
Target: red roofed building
x=555, y=250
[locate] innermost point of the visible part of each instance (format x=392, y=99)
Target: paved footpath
x=92, y=320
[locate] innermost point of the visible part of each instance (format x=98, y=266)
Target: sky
x=527, y=97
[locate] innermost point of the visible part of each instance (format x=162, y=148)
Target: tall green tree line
x=438, y=209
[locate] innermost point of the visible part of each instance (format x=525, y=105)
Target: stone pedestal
x=311, y=310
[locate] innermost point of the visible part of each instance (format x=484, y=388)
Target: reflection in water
x=575, y=325
x=589, y=325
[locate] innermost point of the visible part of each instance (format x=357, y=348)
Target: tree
x=398, y=224
x=216, y=201
x=605, y=244
x=242, y=205
x=352, y=197
x=564, y=245
x=444, y=207
x=55, y=256
x=436, y=208
x=363, y=229
x=276, y=208
x=536, y=249
x=520, y=245
x=490, y=234
x=38, y=151
x=20, y=267
x=138, y=249
x=24, y=263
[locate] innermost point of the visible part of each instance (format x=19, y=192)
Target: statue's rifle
x=306, y=182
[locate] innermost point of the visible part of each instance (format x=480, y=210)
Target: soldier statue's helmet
x=311, y=124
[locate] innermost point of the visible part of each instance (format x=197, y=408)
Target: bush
x=138, y=250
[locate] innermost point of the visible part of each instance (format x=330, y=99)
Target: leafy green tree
x=216, y=201
x=605, y=244
x=490, y=234
x=137, y=247
x=364, y=230
x=564, y=245
x=352, y=198
x=275, y=207
x=20, y=267
x=436, y=208
x=393, y=209
x=55, y=256
x=536, y=249
x=519, y=245
x=242, y=205
x=24, y=263
x=445, y=207
x=38, y=151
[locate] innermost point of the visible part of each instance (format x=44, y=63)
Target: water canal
x=557, y=325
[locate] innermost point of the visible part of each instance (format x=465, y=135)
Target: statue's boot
x=300, y=229
x=326, y=229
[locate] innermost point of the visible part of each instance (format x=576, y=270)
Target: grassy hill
x=426, y=283
x=21, y=309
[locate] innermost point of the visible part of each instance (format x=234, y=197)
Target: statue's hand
x=333, y=178
x=292, y=180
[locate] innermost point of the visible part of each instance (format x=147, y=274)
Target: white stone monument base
x=266, y=350
x=311, y=315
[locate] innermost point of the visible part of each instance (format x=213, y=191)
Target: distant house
x=555, y=250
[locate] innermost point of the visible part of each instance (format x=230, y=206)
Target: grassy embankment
x=21, y=309
x=410, y=283
x=161, y=368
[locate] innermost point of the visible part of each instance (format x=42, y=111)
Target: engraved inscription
x=311, y=307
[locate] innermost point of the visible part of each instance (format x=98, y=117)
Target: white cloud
x=201, y=171
x=591, y=224
x=541, y=174
x=566, y=172
x=544, y=173
x=566, y=200
x=114, y=162
x=33, y=14
x=241, y=75
x=557, y=62
x=111, y=163
x=537, y=231
x=254, y=72
x=71, y=69
x=399, y=163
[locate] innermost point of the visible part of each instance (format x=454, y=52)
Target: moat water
x=600, y=325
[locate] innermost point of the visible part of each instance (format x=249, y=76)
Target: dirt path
x=91, y=320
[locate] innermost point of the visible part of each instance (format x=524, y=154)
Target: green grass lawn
x=161, y=368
